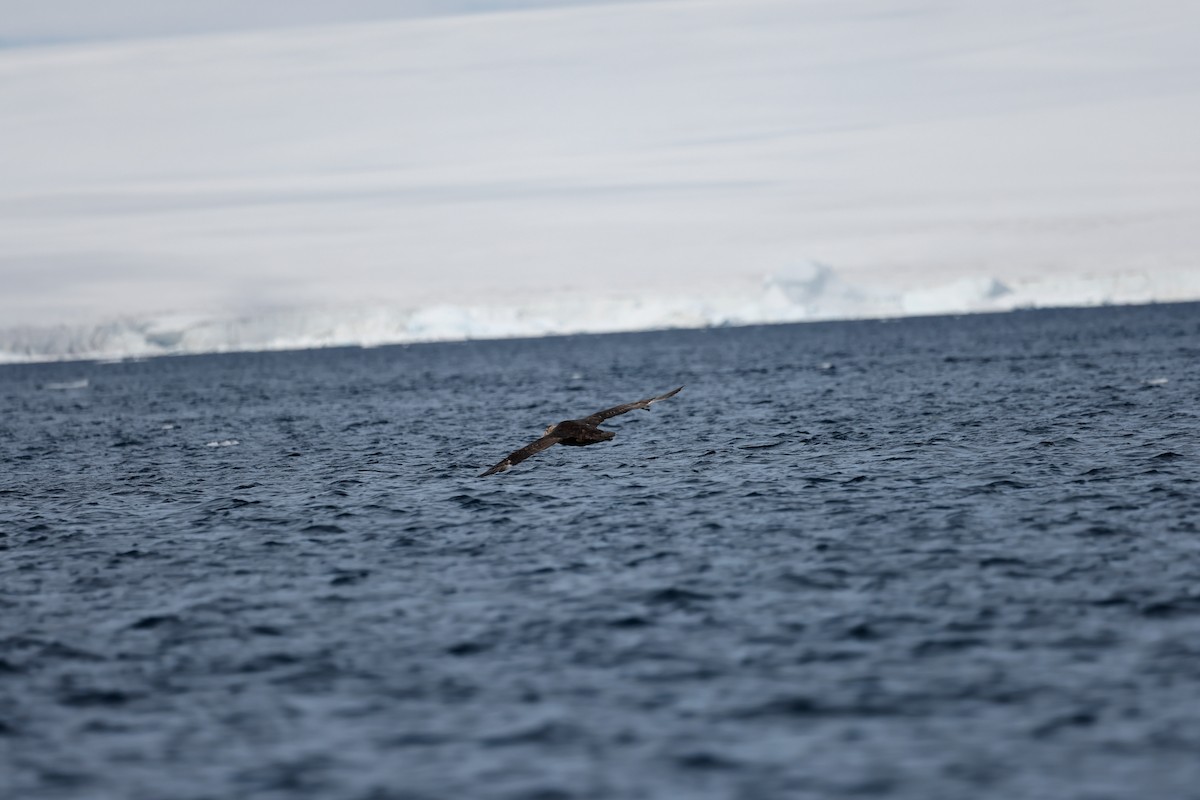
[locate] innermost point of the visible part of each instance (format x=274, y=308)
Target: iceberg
x=805, y=291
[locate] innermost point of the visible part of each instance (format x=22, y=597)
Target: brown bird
x=575, y=432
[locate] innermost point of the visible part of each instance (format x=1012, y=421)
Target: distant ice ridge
x=807, y=291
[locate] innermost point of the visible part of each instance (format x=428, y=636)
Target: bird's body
x=575, y=432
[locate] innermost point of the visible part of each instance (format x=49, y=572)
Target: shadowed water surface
x=928, y=558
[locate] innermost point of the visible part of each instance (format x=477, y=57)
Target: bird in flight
x=575, y=432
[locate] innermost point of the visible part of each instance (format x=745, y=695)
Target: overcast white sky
x=24, y=22
x=629, y=148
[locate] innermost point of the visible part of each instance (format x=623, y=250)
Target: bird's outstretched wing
x=608, y=413
x=517, y=456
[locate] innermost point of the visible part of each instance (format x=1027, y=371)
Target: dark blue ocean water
x=929, y=558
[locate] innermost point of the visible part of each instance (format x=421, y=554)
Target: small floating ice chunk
x=82, y=383
x=223, y=443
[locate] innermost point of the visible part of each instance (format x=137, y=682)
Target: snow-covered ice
x=805, y=292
